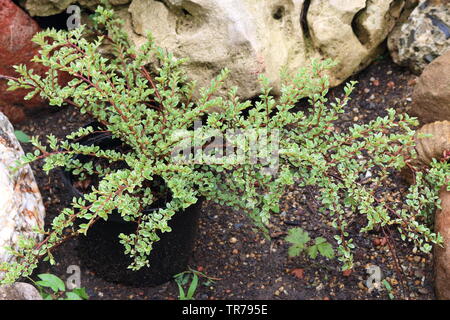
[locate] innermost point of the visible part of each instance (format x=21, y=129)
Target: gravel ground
x=244, y=263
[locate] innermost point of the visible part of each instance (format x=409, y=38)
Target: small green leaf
x=81, y=292
x=192, y=287
x=294, y=250
x=22, y=136
x=313, y=252
x=51, y=281
x=73, y=296
x=325, y=248
x=297, y=236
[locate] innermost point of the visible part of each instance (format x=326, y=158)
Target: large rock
x=351, y=31
x=442, y=254
x=253, y=37
x=260, y=37
x=423, y=37
x=19, y=291
x=16, y=31
x=44, y=8
x=21, y=207
x=431, y=97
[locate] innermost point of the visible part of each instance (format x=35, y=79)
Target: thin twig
x=396, y=261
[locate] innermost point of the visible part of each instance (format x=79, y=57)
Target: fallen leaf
x=298, y=273
x=347, y=273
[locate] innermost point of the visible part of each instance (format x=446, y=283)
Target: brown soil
x=249, y=266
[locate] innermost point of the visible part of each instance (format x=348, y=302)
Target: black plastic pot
x=101, y=252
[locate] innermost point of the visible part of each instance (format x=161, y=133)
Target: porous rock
x=254, y=37
x=423, y=37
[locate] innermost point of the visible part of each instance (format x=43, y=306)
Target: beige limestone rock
x=261, y=37
x=254, y=37
x=19, y=291
x=44, y=8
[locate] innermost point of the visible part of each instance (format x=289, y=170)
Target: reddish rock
x=16, y=31
x=442, y=254
x=431, y=97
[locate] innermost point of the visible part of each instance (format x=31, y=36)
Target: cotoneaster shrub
x=154, y=111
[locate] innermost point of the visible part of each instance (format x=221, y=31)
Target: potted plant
x=173, y=145
x=101, y=251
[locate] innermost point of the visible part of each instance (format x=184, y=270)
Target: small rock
x=423, y=37
x=16, y=31
x=432, y=93
x=19, y=291
x=21, y=205
x=423, y=291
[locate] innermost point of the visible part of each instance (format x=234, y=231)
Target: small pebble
x=423, y=290
x=233, y=240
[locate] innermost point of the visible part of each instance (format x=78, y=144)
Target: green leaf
x=81, y=292
x=313, y=251
x=51, y=281
x=192, y=287
x=73, y=296
x=22, y=136
x=297, y=236
x=47, y=296
x=295, y=250
x=325, y=248
x=181, y=295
